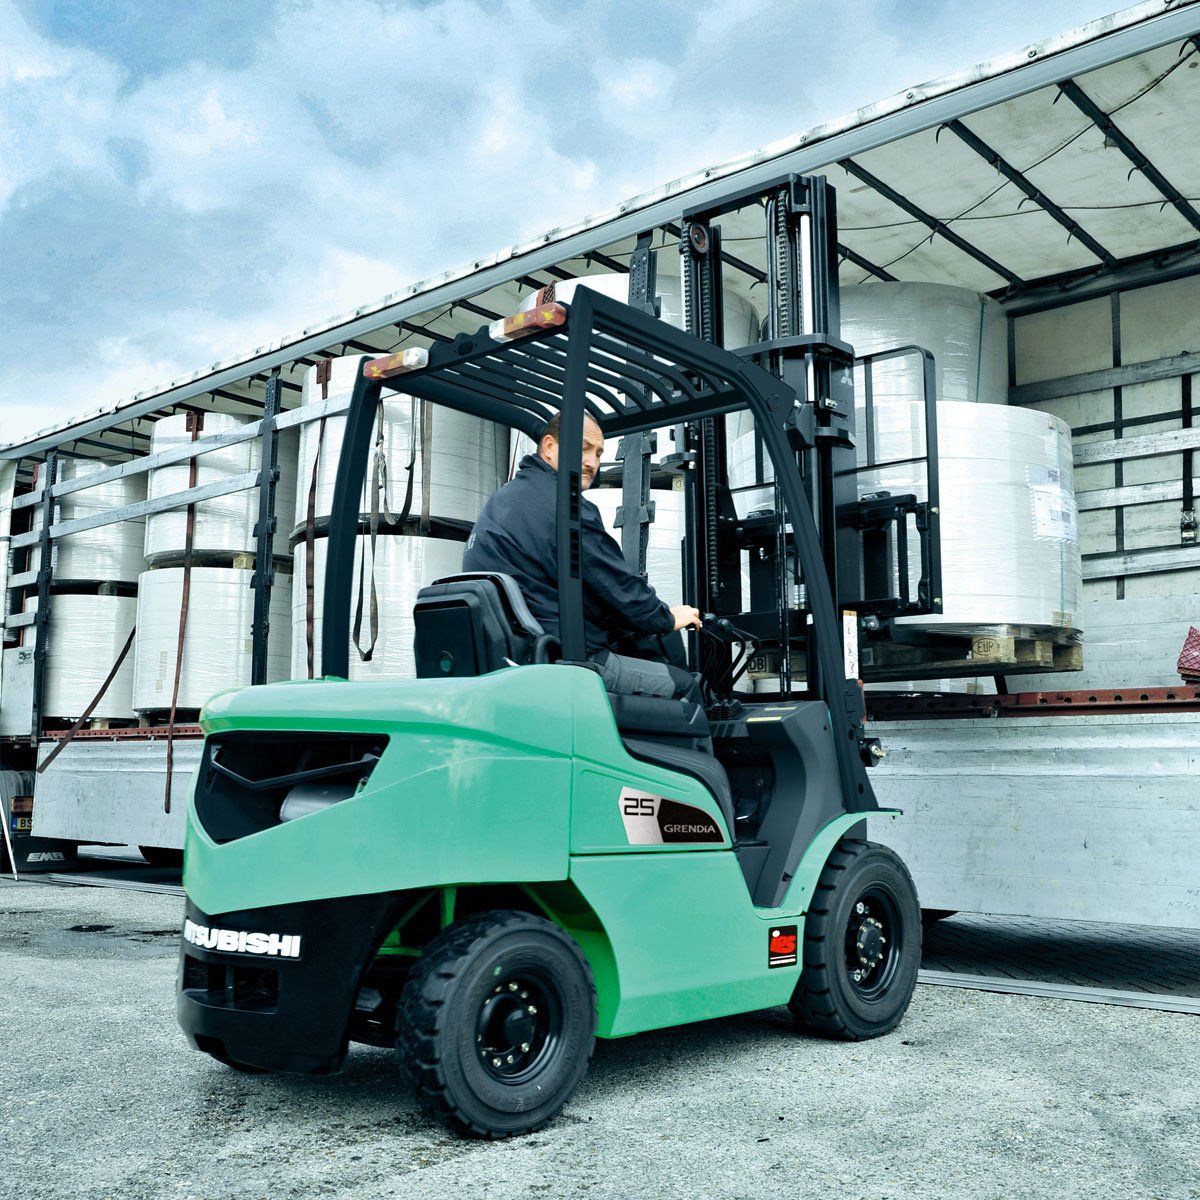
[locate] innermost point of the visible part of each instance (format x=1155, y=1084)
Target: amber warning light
x=522, y=324
x=506, y=329
x=412, y=359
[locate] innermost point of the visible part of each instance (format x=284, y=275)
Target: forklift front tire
x=497, y=1023
x=862, y=945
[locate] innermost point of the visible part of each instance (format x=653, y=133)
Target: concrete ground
x=976, y=1095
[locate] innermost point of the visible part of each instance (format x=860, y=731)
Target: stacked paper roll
x=223, y=524
x=107, y=553
x=401, y=567
x=963, y=330
x=84, y=638
x=468, y=457
x=1010, y=547
x=218, y=642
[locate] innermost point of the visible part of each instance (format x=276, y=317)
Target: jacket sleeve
x=610, y=583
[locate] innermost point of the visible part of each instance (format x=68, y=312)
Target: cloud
x=148, y=39
x=176, y=190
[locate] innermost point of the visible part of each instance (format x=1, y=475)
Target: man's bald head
x=593, y=446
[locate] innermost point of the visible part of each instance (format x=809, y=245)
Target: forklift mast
x=802, y=347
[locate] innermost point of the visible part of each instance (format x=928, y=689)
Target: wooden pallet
x=241, y=561
x=159, y=718
x=980, y=654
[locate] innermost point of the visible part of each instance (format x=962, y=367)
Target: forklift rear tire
x=862, y=945
x=497, y=1023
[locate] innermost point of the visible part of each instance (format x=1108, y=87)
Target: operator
x=515, y=535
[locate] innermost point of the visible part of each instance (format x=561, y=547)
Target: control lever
x=726, y=626
x=717, y=627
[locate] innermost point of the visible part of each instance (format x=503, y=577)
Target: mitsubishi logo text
x=241, y=941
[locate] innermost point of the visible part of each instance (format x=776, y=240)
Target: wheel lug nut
x=531, y=1011
x=860, y=908
x=525, y=1047
x=495, y=1062
x=512, y=987
x=509, y=1059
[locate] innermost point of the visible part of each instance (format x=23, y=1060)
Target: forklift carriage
x=494, y=863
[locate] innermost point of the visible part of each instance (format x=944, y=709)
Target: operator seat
x=473, y=624
x=478, y=622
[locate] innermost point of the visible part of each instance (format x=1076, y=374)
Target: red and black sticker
x=781, y=946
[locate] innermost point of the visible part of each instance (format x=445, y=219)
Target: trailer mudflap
x=273, y=988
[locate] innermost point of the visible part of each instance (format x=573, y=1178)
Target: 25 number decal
x=638, y=806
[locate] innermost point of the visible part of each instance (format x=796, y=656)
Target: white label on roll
x=1052, y=505
x=1053, y=514
x=1041, y=477
x=850, y=642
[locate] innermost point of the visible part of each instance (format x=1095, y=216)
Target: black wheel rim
x=874, y=942
x=519, y=1025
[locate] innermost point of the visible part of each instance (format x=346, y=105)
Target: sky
x=182, y=180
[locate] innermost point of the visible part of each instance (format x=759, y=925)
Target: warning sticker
x=781, y=946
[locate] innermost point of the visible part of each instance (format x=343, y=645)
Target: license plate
x=22, y=824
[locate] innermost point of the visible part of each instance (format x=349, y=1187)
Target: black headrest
x=474, y=623
x=510, y=596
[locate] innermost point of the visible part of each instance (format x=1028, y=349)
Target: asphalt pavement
x=976, y=1095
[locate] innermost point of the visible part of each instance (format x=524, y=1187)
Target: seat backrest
x=475, y=623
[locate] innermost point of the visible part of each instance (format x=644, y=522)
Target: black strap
x=426, y=463
x=379, y=488
x=310, y=524
x=195, y=422
x=412, y=459
x=324, y=373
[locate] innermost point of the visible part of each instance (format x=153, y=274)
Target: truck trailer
x=1045, y=204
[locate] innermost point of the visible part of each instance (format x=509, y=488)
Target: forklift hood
x=464, y=779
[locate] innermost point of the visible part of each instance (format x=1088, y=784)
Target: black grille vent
x=245, y=777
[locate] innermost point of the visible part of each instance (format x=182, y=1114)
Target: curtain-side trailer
x=1059, y=181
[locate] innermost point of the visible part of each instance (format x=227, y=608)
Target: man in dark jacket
x=516, y=535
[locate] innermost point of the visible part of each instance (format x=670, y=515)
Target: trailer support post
x=41, y=623
x=264, y=531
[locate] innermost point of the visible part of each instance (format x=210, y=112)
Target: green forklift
x=491, y=865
